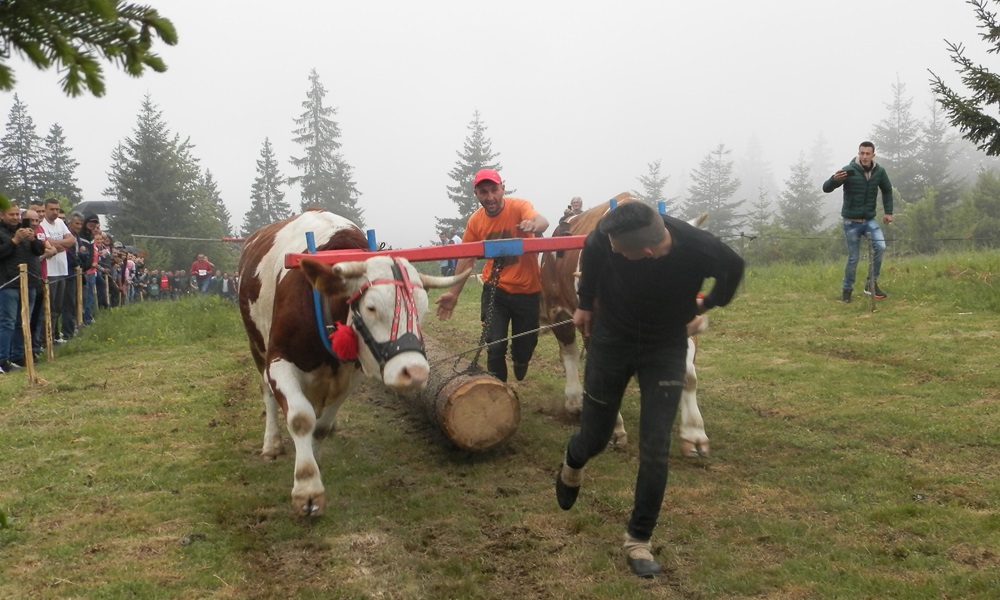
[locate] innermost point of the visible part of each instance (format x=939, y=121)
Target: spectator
x=57, y=266
x=18, y=244
x=69, y=324
x=201, y=272
x=88, y=262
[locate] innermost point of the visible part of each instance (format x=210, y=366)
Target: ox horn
x=350, y=268
x=438, y=281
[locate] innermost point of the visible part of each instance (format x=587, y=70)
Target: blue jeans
x=89, y=297
x=9, y=309
x=852, y=233
x=660, y=369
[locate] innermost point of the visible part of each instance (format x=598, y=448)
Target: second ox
x=559, y=272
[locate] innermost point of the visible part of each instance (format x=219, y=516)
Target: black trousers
x=515, y=312
x=69, y=308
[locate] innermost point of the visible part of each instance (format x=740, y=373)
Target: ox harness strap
x=405, y=334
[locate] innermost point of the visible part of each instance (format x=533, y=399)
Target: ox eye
x=370, y=309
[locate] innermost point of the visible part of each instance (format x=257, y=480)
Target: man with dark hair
x=862, y=179
x=510, y=299
x=18, y=245
x=640, y=278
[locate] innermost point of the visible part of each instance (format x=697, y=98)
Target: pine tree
x=476, y=154
x=799, y=204
x=326, y=177
x=215, y=198
x=58, y=174
x=77, y=36
x=156, y=179
x=896, y=139
x=268, y=201
x=712, y=192
x=21, y=155
x=934, y=161
x=652, y=186
x=761, y=214
x=968, y=113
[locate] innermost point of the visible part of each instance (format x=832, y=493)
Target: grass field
x=854, y=456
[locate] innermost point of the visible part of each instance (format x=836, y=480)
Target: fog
x=577, y=97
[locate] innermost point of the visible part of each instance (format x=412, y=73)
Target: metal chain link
x=493, y=282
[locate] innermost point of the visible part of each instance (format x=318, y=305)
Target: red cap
x=487, y=175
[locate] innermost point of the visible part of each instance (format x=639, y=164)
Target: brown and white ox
x=560, y=273
x=383, y=299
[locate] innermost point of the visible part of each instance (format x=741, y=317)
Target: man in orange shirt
x=515, y=297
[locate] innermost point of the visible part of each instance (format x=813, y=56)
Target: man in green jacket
x=862, y=179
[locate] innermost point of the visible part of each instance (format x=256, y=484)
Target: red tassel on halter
x=344, y=341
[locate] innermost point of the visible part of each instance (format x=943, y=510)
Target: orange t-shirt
x=520, y=275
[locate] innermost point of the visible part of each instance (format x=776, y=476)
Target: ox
x=559, y=272
x=383, y=299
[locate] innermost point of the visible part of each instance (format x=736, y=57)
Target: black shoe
x=646, y=569
x=845, y=297
x=18, y=363
x=565, y=495
x=520, y=371
x=879, y=294
x=640, y=558
x=6, y=367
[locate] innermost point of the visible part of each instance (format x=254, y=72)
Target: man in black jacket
x=17, y=245
x=640, y=276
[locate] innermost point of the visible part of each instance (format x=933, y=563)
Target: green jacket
x=861, y=192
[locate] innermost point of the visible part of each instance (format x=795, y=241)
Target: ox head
x=386, y=299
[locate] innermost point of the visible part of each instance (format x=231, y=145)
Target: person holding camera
x=862, y=180
x=18, y=244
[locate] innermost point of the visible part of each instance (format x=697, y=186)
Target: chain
x=493, y=282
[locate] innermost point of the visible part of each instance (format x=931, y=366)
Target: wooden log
x=475, y=411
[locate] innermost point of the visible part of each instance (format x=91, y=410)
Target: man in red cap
x=512, y=301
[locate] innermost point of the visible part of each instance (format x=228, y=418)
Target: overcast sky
x=577, y=97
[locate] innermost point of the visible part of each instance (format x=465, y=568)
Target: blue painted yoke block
x=508, y=247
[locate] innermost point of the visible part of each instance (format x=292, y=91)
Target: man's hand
x=840, y=175
x=887, y=219
x=446, y=304
x=582, y=320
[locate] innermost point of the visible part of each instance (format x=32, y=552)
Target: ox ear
x=436, y=281
x=323, y=278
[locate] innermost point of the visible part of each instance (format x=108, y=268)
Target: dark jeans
x=57, y=290
x=660, y=370
x=517, y=312
x=69, y=308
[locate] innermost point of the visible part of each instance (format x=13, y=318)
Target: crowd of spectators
x=52, y=247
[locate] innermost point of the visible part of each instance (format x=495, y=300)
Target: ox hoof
x=619, y=440
x=694, y=449
x=272, y=455
x=309, y=507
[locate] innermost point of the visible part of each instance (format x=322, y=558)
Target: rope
x=478, y=349
x=189, y=239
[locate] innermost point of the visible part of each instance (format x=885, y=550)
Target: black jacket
x=12, y=255
x=652, y=300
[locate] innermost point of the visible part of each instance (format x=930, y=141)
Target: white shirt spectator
x=58, y=265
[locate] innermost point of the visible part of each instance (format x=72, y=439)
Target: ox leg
x=574, y=390
x=694, y=442
x=308, y=495
x=273, y=446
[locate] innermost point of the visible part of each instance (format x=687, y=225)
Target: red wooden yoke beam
x=486, y=249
